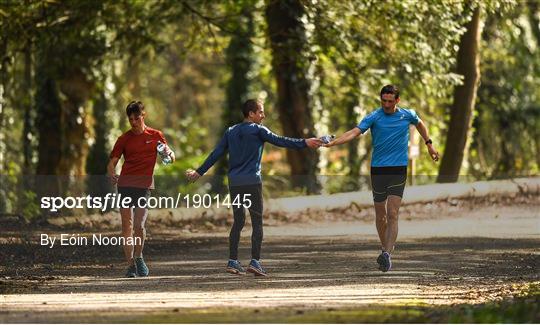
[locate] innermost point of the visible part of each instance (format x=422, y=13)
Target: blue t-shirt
x=389, y=136
x=245, y=143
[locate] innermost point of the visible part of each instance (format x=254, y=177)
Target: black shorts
x=135, y=193
x=388, y=181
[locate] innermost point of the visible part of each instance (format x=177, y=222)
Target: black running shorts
x=388, y=181
x=135, y=193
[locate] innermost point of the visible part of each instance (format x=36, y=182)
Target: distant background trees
x=471, y=69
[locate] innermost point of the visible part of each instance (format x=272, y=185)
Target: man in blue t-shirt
x=389, y=125
x=245, y=142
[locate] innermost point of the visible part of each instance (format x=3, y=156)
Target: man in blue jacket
x=245, y=142
x=389, y=125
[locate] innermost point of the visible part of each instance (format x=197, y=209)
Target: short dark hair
x=390, y=89
x=250, y=105
x=135, y=107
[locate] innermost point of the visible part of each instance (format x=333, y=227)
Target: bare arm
x=111, y=169
x=345, y=137
x=421, y=127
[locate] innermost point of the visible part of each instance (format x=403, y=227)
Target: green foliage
x=30, y=205
x=525, y=308
x=193, y=62
x=239, y=56
x=8, y=192
x=507, y=124
x=364, y=45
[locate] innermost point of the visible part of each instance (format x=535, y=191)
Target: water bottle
x=327, y=138
x=162, y=151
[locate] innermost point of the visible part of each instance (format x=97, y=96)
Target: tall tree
x=468, y=65
x=508, y=98
x=49, y=121
x=74, y=39
x=534, y=18
x=96, y=166
x=76, y=89
x=67, y=48
x=290, y=63
x=28, y=126
x=239, y=57
x=3, y=82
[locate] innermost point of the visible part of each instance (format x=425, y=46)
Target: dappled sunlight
x=315, y=296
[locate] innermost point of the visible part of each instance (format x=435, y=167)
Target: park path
x=464, y=256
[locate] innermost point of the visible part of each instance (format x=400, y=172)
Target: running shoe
x=256, y=268
x=380, y=261
x=131, y=272
x=386, y=262
x=142, y=269
x=234, y=267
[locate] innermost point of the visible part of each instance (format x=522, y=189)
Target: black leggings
x=254, y=194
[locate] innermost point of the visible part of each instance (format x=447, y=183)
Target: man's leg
x=127, y=232
x=379, y=183
x=256, y=213
x=140, y=215
x=234, y=237
x=381, y=221
x=392, y=210
x=239, y=214
x=139, y=230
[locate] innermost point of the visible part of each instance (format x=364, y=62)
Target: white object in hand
x=327, y=138
x=164, y=154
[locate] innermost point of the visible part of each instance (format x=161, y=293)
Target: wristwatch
x=429, y=142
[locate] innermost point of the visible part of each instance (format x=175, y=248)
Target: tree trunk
x=468, y=61
x=98, y=157
x=239, y=56
x=3, y=169
x=27, y=182
x=28, y=126
x=534, y=12
x=133, y=77
x=290, y=62
x=99, y=152
x=4, y=61
x=49, y=128
x=76, y=90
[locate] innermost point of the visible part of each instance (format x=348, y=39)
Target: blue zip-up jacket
x=245, y=143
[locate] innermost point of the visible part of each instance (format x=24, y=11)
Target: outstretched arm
x=421, y=127
x=286, y=142
x=220, y=149
x=345, y=137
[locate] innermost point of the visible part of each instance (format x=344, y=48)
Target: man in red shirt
x=138, y=146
